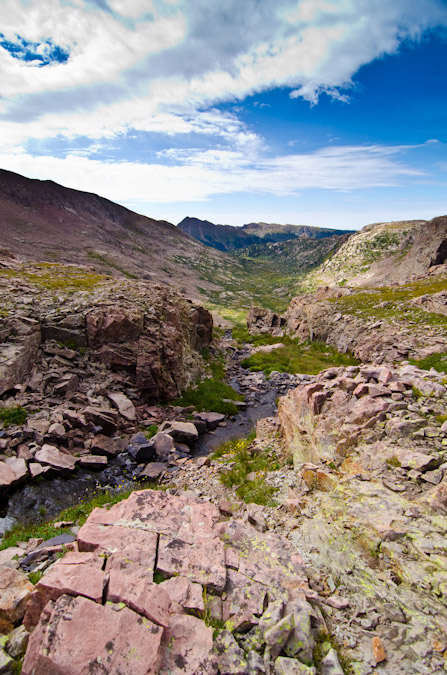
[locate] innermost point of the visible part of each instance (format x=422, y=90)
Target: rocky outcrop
x=20, y=338
x=140, y=328
x=149, y=579
x=369, y=447
x=362, y=322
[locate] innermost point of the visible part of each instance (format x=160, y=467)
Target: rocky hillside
x=230, y=238
x=41, y=220
x=295, y=256
x=385, y=253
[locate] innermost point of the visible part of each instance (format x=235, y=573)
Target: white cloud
x=197, y=176
x=174, y=56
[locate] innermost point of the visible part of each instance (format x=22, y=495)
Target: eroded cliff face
x=386, y=324
x=141, y=328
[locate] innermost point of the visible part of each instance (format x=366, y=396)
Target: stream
x=44, y=500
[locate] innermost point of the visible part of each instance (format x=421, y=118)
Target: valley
x=236, y=441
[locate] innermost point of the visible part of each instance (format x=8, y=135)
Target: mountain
x=385, y=253
x=230, y=238
x=295, y=256
x=41, y=220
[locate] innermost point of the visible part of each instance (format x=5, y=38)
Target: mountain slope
x=385, y=253
x=230, y=238
x=41, y=220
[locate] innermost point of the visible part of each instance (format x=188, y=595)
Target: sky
x=322, y=112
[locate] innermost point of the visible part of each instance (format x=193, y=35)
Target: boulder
x=15, y=589
x=163, y=445
x=211, y=419
x=183, y=432
x=18, y=350
x=77, y=635
x=49, y=455
x=124, y=405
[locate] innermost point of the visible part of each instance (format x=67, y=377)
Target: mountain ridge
x=230, y=237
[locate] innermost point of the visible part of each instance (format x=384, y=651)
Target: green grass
x=394, y=303
x=12, y=415
x=77, y=514
x=307, y=358
x=246, y=460
x=54, y=276
x=436, y=361
x=150, y=431
x=211, y=392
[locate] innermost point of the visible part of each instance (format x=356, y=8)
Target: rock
x=57, y=430
x=163, y=444
x=9, y=557
x=6, y=663
x=231, y=658
x=285, y=666
x=211, y=419
x=116, y=641
x=141, y=449
x=50, y=455
x=106, y=419
x=17, y=642
x=66, y=385
x=277, y=636
x=378, y=650
x=133, y=586
x=187, y=647
x=153, y=470
x=330, y=665
x=103, y=445
x=18, y=351
x=94, y=462
x=125, y=407
x=185, y=593
x=12, y=472
x=183, y=432
x=15, y=589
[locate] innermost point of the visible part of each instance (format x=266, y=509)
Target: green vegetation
x=393, y=462
x=393, y=303
x=210, y=394
x=12, y=415
x=56, y=277
x=35, y=577
x=150, y=431
x=308, y=358
x=78, y=514
x=102, y=258
x=436, y=361
x=248, y=461
x=417, y=393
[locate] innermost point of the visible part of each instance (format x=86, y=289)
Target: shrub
x=10, y=415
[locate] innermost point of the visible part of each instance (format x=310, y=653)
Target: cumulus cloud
x=162, y=67
x=187, y=54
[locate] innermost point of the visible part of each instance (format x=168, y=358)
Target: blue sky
x=319, y=112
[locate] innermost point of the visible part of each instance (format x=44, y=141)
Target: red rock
x=113, y=324
x=15, y=589
x=51, y=456
x=95, y=462
x=211, y=419
x=124, y=405
x=187, y=647
x=185, y=593
x=203, y=562
x=7, y=476
x=153, y=470
x=133, y=586
x=103, y=445
x=77, y=636
x=137, y=545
